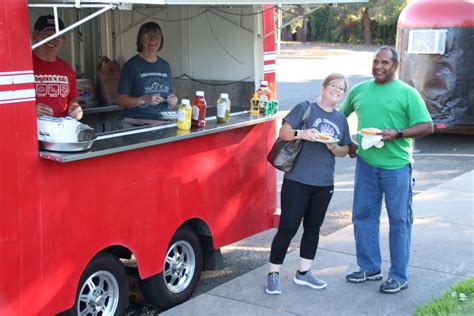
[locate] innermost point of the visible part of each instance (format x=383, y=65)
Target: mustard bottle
x=255, y=104
x=184, y=115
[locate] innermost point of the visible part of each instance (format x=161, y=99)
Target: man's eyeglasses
x=340, y=88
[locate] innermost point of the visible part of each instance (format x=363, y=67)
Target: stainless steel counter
x=120, y=141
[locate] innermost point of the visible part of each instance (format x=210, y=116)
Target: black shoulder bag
x=284, y=153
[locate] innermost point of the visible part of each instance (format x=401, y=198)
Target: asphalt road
x=300, y=70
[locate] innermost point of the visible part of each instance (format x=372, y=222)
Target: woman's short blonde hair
x=335, y=76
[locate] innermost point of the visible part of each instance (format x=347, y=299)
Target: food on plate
x=370, y=131
x=324, y=136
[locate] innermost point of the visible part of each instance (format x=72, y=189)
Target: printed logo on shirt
x=156, y=74
x=156, y=83
x=51, y=85
x=326, y=126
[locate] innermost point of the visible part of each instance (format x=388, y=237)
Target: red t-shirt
x=55, y=84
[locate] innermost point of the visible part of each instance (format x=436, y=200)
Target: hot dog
x=323, y=136
x=370, y=131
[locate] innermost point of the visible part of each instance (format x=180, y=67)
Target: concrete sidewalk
x=442, y=254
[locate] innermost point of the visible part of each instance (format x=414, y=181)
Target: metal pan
x=66, y=147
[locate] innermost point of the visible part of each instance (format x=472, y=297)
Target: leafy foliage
x=322, y=25
x=344, y=22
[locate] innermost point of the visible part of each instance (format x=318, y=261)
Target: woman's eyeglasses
x=151, y=35
x=340, y=88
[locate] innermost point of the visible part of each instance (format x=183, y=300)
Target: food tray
x=66, y=147
x=169, y=115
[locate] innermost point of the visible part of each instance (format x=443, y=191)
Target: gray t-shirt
x=315, y=162
x=140, y=77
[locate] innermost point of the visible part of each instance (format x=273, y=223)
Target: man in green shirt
x=399, y=112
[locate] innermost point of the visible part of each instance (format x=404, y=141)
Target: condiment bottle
x=264, y=95
x=184, y=115
x=199, y=110
x=255, y=104
x=223, y=108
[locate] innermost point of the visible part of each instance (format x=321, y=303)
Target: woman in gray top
x=307, y=189
x=145, y=88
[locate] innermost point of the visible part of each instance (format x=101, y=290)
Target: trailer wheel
x=181, y=272
x=103, y=288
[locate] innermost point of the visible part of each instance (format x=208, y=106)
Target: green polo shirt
x=394, y=105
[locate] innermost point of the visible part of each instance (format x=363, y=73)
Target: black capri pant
x=300, y=201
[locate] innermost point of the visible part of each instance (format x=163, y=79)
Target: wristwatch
x=399, y=133
x=296, y=133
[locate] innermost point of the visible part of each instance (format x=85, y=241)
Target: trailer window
x=427, y=42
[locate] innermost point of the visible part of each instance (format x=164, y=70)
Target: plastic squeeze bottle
x=255, y=104
x=199, y=110
x=264, y=94
x=223, y=108
x=184, y=115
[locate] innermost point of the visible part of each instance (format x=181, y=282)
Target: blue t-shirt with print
x=140, y=77
x=315, y=162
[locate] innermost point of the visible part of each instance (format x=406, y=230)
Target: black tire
x=181, y=273
x=109, y=275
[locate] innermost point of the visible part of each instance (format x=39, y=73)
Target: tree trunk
x=366, y=26
x=305, y=23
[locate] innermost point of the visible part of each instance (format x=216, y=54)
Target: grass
x=457, y=301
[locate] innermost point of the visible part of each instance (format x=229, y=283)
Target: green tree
x=371, y=22
x=322, y=25
x=383, y=13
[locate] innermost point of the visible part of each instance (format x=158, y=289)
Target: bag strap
x=306, y=115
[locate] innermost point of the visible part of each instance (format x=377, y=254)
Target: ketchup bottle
x=199, y=110
x=264, y=95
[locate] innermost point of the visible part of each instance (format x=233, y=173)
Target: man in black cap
x=55, y=80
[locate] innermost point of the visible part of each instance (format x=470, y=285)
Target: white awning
x=105, y=5
x=79, y=3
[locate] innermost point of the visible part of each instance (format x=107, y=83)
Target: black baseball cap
x=46, y=22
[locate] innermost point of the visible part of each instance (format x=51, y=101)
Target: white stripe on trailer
x=269, y=68
x=7, y=73
x=268, y=57
x=18, y=78
x=16, y=101
x=17, y=95
x=24, y=79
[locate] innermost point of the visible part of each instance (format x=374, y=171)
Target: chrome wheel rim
x=179, y=267
x=99, y=295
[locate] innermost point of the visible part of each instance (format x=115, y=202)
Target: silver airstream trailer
x=435, y=40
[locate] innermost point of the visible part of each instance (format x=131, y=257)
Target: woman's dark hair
x=149, y=26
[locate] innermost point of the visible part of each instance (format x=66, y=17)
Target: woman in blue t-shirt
x=145, y=88
x=308, y=187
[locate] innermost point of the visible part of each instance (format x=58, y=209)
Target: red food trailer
x=163, y=198
x=436, y=44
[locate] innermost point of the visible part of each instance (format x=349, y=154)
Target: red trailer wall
x=19, y=220
x=55, y=217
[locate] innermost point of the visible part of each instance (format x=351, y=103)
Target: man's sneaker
x=273, y=284
x=362, y=276
x=393, y=286
x=310, y=280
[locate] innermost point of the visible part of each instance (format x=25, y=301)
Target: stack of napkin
x=371, y=140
